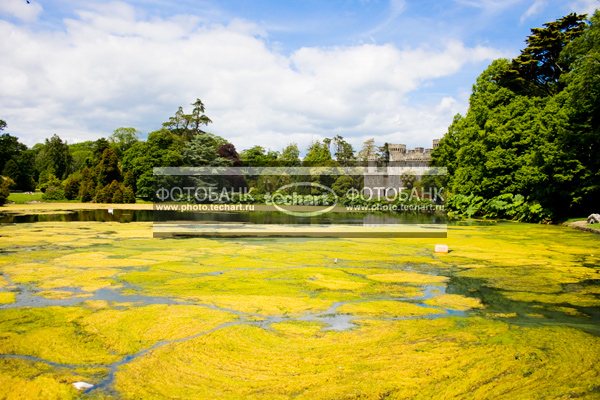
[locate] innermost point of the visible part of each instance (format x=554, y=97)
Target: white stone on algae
x=82, y=385
x=441, y=248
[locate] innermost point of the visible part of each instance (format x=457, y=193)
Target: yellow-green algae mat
x=512, y=312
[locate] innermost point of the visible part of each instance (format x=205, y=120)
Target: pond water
x=257, y=217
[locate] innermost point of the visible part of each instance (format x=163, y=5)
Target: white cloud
x=21, y=9
x=584, y=6
x=535, y=8
x=111, y=68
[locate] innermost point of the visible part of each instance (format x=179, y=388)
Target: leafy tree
x=227, y=151
x=529, y=150
x=368, y=150
x=87, y=191
x=162, y=149
x=188, y=125
x=446, y=153
x=82, y=154
x=201, y=150
x=9, y=148
x=317, y=154
x=537, y=71
x=124, y=138
x=27, y=171
x=257, y=156
x=342, y=184
x=290, y=156
x=49, y=181
x=11, y=170
x=86, y=185
x=129, y=180
x=5, y=184
x=582, y=100
x=343, y=152
x=55, y=156
x=71, y=190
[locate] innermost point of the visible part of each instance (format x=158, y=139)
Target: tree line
x=528, y=145
x=119, y=169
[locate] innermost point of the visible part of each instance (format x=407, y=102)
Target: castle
x=399, y=157
x=379, y=180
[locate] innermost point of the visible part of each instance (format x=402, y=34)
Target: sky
x=270, y=72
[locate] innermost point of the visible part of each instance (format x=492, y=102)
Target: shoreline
x=583, y=226
x=43, y=208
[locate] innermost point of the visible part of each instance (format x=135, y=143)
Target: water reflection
x=122, y=216
x=255, y=218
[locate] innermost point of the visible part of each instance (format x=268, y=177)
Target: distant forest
x=526, y=149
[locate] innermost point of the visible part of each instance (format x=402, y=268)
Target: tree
x=317, y=154
x=117, y=196
x=257, y=156
x=198, y=118
x=72, y=188
x=129, y=180
x=49, y=180
x=128, y=195
x=384, y=154
x=11, y=170
x=10, y=148
x=537, y=71
x=5, y=184
x=343, y=152
x=55, y=155
x=201, y=150
x=162, y=149
x=107, y=169
x=124, y=138
x=290, y=156
x=98, y=150
x=368, y=150
x=227, y=151
x=188, y=125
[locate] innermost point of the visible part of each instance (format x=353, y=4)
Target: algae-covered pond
x=512, y=312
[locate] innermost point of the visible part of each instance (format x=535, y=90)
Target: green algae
x=477, y=358
x=526, y=291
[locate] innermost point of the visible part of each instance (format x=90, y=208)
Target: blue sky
x=269, y=72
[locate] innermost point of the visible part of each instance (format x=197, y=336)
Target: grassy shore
x=45, y=208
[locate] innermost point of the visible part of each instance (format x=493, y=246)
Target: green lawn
x=22, y=198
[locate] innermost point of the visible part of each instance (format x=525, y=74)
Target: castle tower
x=397, y=152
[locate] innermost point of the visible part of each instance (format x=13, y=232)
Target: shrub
x=72, y=188
x=128, y=195
x=5, y=184
x=53, y=193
